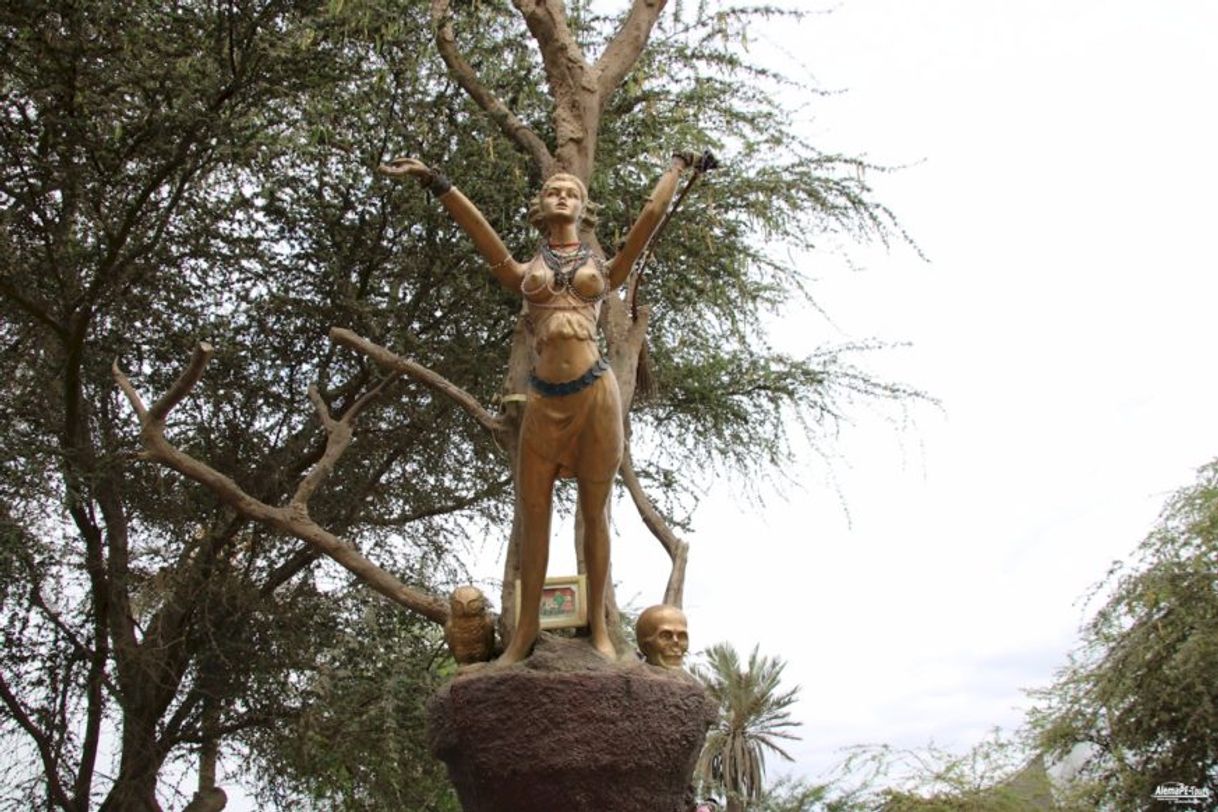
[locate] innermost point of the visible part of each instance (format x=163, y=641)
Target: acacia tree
x=169, y=172
x=998, y=774
x=579, y=90
x=1140, y=689
x=203, y=171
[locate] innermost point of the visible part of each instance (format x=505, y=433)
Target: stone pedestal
x=567, y=730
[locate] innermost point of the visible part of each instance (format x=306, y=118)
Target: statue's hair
x=587, y=209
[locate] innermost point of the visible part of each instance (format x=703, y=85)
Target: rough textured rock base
x=567, y=730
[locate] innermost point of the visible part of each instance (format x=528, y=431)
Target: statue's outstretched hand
x=699, y=163
x=405, y=167
x=684, y=159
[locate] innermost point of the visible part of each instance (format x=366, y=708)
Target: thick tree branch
x=511, y=125
x=185, y=382
x=90, y=488
x=627, y=44
x=95, y=568
x=560, y=53
x=306, y=555
x=678, y=550
x=573, y=85
x=293, y=519
x=288, y=569
x=32, y=308
x=432, y=380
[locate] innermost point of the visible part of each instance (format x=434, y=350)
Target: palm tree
x=754, y=713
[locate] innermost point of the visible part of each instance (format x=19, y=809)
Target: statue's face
x=668, y=641
x=561, y=199
x=467, y=601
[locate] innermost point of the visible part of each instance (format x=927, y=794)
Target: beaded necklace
x=564, y=264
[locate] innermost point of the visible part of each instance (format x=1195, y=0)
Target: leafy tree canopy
x=1140, y=689
x=177, y=172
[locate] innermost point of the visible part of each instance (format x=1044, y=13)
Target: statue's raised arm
x=504, y=268
x=648, y=219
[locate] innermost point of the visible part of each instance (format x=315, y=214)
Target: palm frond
x=754, y=715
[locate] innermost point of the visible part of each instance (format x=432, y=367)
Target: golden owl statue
x=470, y=630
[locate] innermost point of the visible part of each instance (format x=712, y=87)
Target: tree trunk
x=134, y=789
x=209, y=797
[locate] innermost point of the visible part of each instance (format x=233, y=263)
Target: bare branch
x=674, y=590
x=185, y=382
x=338, y=437
x=678, y=550
x=627, y=44
x=288, y=569
x=32, y=308
x=344, y=552
x=467, y=78
x=323, y=411
x=432, y=380
x=293, y=519
x=560, y=53
x=133, y=397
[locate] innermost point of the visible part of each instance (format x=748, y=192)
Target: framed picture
x=564, y=602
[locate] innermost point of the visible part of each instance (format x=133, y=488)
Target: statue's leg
x=535, y=479
x=593, y=503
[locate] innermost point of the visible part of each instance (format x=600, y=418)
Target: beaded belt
x=555, y=390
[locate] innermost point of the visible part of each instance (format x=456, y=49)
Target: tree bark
x=134, y=789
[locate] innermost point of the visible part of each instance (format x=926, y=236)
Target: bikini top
x=565, y=280
x=563, y=291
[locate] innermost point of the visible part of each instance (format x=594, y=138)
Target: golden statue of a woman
x=573, y=417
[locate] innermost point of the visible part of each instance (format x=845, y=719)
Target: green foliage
x=1140, y=690
x=725, y=399
x=192, y=171
x=754, y=715
x=996, y=775
x=799, y=795
x=351, y=740
x=186, y=171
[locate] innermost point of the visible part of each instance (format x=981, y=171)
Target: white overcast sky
x=1061, y=180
